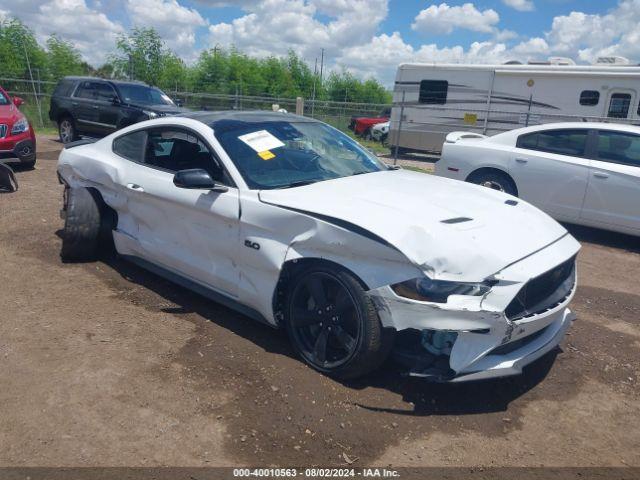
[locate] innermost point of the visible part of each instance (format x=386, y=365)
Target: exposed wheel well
x=290, y=269
x=109, y=215
x=64, y=114
x=484, y=170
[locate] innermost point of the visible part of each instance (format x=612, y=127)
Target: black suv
x=97, y=107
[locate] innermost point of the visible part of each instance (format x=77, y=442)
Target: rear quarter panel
x=459, y=160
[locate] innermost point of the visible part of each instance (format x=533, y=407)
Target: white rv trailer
x=432, y=100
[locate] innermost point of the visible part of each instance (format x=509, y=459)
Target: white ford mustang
x=293, y=223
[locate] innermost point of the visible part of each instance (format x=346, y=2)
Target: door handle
x=600, y=175
x=96, y=106
x=75, y=104
x=521, y=160
x=135, y=187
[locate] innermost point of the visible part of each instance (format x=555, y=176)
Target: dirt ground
x=104, y=364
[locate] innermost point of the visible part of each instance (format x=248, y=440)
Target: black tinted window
x=589, y=97
x=131, y=145
x=104, y=92
x=618, y=147
x=561, y=142
x=173, y=150
x=85, y=90
x=619, y=105
x=434, y=91
x=64, y=88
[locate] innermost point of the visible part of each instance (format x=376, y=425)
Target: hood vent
x=451, y=221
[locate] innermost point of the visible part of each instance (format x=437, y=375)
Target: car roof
x=231, y=118
x=117, y=82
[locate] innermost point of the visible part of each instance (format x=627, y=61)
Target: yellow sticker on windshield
x=266, y=155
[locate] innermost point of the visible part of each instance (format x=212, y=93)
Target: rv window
x=434, y=92
x=561, y=142
x=619, y=105
x=589, y=98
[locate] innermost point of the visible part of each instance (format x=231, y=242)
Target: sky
x=366, y=37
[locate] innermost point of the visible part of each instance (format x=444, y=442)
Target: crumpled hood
x=449, y=229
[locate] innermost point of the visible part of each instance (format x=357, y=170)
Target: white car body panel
x=584, y=191
x=385, y=227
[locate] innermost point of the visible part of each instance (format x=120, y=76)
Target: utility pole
x=313, y=97
x=321, y=64
x=33, y=85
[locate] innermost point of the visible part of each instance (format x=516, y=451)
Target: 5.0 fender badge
x=250, y=244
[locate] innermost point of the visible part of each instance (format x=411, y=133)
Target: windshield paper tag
x=261, y=141
x=266, y=155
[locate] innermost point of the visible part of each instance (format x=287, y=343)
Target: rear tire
x=67, y=130
x=495, y=180
x=339, y=334
x=84, y=226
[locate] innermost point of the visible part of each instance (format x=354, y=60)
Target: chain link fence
x=413, y=127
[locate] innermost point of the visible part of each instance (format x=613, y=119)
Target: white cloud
x=588, y=36
x=177, y=24
x=445, y=19
x=272, y=27
x=88, y=29
x=520, y=5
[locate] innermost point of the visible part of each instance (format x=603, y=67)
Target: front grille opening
x=515, y=345
x=543, y=292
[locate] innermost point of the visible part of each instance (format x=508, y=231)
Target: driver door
x=194, y=233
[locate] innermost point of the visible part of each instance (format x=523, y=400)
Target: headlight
x=426, y=290
x=150, y=114
x=20, y=126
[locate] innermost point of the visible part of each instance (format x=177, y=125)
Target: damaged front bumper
x=494, y=335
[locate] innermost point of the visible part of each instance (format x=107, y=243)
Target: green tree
x=17, y=45
x=63, y=59
x=139, y=55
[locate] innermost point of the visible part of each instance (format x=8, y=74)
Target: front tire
x=496, y=181
x=83, y=227
x=333, y=324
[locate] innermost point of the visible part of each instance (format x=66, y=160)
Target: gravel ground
x=104, y=364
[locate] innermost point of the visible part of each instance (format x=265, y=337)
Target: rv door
x=620, y=103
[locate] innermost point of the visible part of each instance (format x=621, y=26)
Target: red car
x=17, y=138
x=362, y=125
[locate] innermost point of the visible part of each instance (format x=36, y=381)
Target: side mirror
x=196, y=178
x=8, y=182
x=115, y=100
x=17, y=101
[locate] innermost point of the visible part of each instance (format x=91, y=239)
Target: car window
x=283, y=154
x=104, y=92
x=619, y=105
x=618, y=147
x=131, y=146
x=433, y=92
x=64, y=88
x=4, y=99
x=561, y=142
x=174, y=149
x=85, y=90
x=143, y=95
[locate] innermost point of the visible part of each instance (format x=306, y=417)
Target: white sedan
x=293, y=223
x=583, y=173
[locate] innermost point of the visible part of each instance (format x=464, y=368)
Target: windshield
x=4, y=100
x=143, y=95
x=288, y=154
